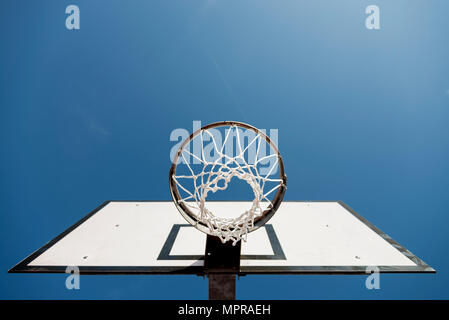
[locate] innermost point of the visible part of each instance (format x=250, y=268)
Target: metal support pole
x=221, y=264
x=221, y=286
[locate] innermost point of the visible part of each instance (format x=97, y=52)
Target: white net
x=215, y=175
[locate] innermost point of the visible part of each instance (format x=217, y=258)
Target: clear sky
x=86, y=115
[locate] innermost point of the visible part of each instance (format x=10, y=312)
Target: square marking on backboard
x=179, y=245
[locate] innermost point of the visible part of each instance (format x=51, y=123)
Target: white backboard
x=140, y=237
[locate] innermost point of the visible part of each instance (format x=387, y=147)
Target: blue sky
x=86, y=115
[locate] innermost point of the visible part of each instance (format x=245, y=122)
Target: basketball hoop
x=216, y=174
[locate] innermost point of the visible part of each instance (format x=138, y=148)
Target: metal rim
x=190, y=217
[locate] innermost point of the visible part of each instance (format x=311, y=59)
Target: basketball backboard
x=151, y=237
